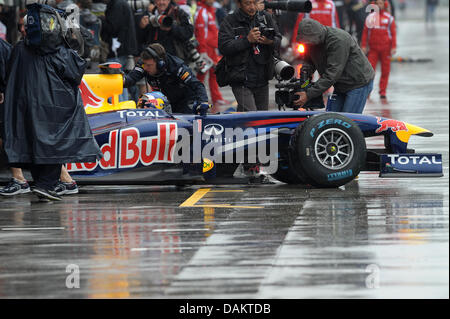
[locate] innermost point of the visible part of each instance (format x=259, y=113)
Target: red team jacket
x=323, y=11
x=381, y=35
x=205, y=30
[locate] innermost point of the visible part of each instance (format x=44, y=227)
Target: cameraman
x=173, y=37
x=249, y=54
x=340, y=62
x=168, y=74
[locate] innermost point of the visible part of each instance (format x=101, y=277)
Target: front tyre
x=328, y=150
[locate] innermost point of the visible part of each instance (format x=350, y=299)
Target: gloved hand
x=201, y=108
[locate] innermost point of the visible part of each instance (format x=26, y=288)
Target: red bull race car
x=152, y=146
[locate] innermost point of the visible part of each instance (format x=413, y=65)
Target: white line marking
x=179, y=230
x=34, y=228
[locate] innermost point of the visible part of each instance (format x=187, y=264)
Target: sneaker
x=45, y=195
x=15, y=187
x=66, y=188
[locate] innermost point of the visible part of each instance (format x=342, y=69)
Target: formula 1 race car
x=323, y=149
x=149, y=145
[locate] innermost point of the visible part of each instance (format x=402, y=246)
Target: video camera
x=289, y=5
x=285, y=93
x=44, y=31
x=283, y=71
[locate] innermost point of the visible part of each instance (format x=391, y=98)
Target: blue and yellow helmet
x=153, y=100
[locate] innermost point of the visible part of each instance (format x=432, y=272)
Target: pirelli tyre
x=284, y=174
x=327, y=150
x=284, y=171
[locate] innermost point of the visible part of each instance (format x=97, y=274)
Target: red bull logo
x=89, y=98
x=127, y=149
x=394, y=125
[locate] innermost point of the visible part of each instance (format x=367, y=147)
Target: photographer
x=340, y=62
x=248, y=40
x=168, y=74
x=171, y=33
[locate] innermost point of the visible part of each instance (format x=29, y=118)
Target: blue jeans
x=352, y=101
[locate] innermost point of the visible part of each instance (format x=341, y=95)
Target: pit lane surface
x=373, y=238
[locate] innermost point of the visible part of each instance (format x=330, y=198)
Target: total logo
x=412, y=159
x=213, y=129
x=146, y=113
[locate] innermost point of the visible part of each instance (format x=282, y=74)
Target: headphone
x=160, y=63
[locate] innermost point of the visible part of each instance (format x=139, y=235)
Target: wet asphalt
x=372, y=238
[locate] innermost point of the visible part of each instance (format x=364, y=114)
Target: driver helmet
x=153, y=100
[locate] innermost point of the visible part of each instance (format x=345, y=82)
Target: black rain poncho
x=44, y=118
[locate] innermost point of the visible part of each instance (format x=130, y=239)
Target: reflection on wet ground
x=373, y=238
x=363, y=240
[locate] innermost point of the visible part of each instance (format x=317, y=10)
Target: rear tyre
x=328, y=150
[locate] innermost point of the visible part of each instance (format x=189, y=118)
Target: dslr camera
x=261, y=24
x=160, y=20
x=139, y=5
x=202, y=63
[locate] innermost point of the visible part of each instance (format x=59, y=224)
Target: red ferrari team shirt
x=379, y=31
x=323, y=11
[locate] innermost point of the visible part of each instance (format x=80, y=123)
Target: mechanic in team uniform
x=168, y=74
x=380, y=42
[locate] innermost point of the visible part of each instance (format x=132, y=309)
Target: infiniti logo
x=213, y=129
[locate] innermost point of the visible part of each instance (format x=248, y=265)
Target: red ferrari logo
x=394, y=125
